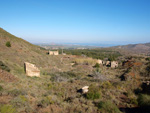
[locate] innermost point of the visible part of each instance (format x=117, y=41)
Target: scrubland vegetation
x=58, y=89
x=95, y=53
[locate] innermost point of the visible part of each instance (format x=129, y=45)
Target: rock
x=31, y=70
x=99, y=61
x=85, y=89
x=108, y=63
x=72, y=64
x=114, y=64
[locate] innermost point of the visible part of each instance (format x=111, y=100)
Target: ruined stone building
x=53, y=53
x=31, y=70
x=114, y=64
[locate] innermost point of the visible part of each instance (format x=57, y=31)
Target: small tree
x=8, y=44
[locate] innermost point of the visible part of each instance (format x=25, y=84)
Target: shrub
x=63, y=76
x=58, y=78
x=144, y=100
x=148, y=59
x=8, y=44
x=134, y=101
x=46, y=101
x=16, y=92
x=93, y=93
x=107, y=85
x=23, y=98
x=49, y=86
x=7, y=109
x=97, y=65
x=4, y=67
x=108, y=107
x=98, y=76
x=1, y=88
x=21, y=103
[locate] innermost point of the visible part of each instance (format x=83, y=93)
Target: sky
x=77, y=21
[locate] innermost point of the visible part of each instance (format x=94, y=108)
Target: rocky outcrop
x=31, y=70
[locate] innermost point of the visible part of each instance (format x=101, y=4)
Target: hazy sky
x=77, y=21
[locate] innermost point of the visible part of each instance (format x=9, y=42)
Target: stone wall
x=31, y=70
x=114, y=64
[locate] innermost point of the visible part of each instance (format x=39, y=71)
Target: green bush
x=46, y=101
x=144, y=100
x=7, y=109
x=4, y=67
x=1, y=88
x=148, y=59
x=97, y=65
x=133, y=101
x=108, y=107
x=107, y=85
x=8, y=44
x=93, y=93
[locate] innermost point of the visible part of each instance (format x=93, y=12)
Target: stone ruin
x=53, y=53
x=112, y=64
x=31, y=70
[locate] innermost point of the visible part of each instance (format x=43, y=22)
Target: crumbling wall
x=31, y=70
x=114, y=64
x=53, y=53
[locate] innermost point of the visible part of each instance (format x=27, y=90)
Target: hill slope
x=60, y=90
x=136, y=48
x=22, y=51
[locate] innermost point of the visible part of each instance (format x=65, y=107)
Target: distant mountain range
x=136, y=48
x=19, y=44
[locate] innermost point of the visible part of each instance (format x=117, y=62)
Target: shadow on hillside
x=134, y=110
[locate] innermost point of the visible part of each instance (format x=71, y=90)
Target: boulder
x=85, y=89
x=99, y=61
x=31, y=70
x=108, y=63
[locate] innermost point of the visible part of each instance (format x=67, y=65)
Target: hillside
x=22, y=51
x=136, y=48
x=62, y=77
